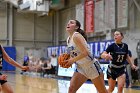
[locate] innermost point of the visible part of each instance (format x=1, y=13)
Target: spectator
x=135, y=73
x=53, y=60
x=47, y=68
x=25, y=63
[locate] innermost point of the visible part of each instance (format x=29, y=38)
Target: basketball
x=62, y=58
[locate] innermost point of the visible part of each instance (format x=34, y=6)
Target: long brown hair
x=82, y=32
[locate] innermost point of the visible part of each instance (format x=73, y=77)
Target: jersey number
x=74, y=54
x=120, y=58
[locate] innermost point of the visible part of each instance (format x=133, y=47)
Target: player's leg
x=6, y=88
x=111, y=76
x=121, y=82
x=0, y=89
x=111, y=84
x=77, y=80
x=99, y=84
x=102, y=77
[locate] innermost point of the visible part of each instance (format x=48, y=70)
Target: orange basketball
x=62, y=58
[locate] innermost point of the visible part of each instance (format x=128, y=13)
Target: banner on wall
x=122, y=13
x=99, y=16
x=96, y=48
x=89, y=15
x=80, y=14
x=109, y=14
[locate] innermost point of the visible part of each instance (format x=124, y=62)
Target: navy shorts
x=115, y=72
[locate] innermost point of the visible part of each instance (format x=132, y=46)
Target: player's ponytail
x=82, y=32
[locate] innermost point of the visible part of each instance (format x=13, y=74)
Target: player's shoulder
x=112, y=44
x=77, y=35
x=125, y=44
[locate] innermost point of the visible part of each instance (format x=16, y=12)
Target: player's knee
x=120, y=87
x=111, y=89
x=10, y=91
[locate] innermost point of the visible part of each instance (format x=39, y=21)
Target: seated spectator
x=53, y=60
x=135, y=73
x=25, y=63
x=47, y=67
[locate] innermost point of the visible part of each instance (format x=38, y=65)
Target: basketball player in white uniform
x=87, y=67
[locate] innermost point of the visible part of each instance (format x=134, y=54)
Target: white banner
x=109, y=14
x=122, y=13
x=99, y=16
x=80, y=14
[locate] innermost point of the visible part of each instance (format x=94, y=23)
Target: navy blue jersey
x=119, y=53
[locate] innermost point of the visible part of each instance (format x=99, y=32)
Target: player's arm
x=10, y=60
x=106, y=54
x=130, y=61
x=80, y=44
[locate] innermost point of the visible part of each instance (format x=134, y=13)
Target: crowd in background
x=43, y=66
x=49, y=66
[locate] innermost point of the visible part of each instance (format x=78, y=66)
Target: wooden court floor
x=32, y=84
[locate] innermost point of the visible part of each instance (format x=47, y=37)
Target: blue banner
x=96, y=48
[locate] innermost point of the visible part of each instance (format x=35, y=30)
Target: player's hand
x=3, y=77
x=108, y=57
x=134, y=67
x=25, y=68
x=68, y=63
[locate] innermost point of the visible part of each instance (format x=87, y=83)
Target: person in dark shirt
x=25, y=63
x=117, y=53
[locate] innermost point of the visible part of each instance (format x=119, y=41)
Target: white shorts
x=91, y=69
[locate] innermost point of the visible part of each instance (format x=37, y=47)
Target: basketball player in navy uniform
x=117, y=53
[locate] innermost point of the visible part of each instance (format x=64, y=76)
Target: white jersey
x=74, y=51
x=88, y=65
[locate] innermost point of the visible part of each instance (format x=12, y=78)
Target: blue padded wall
x=11, y=51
